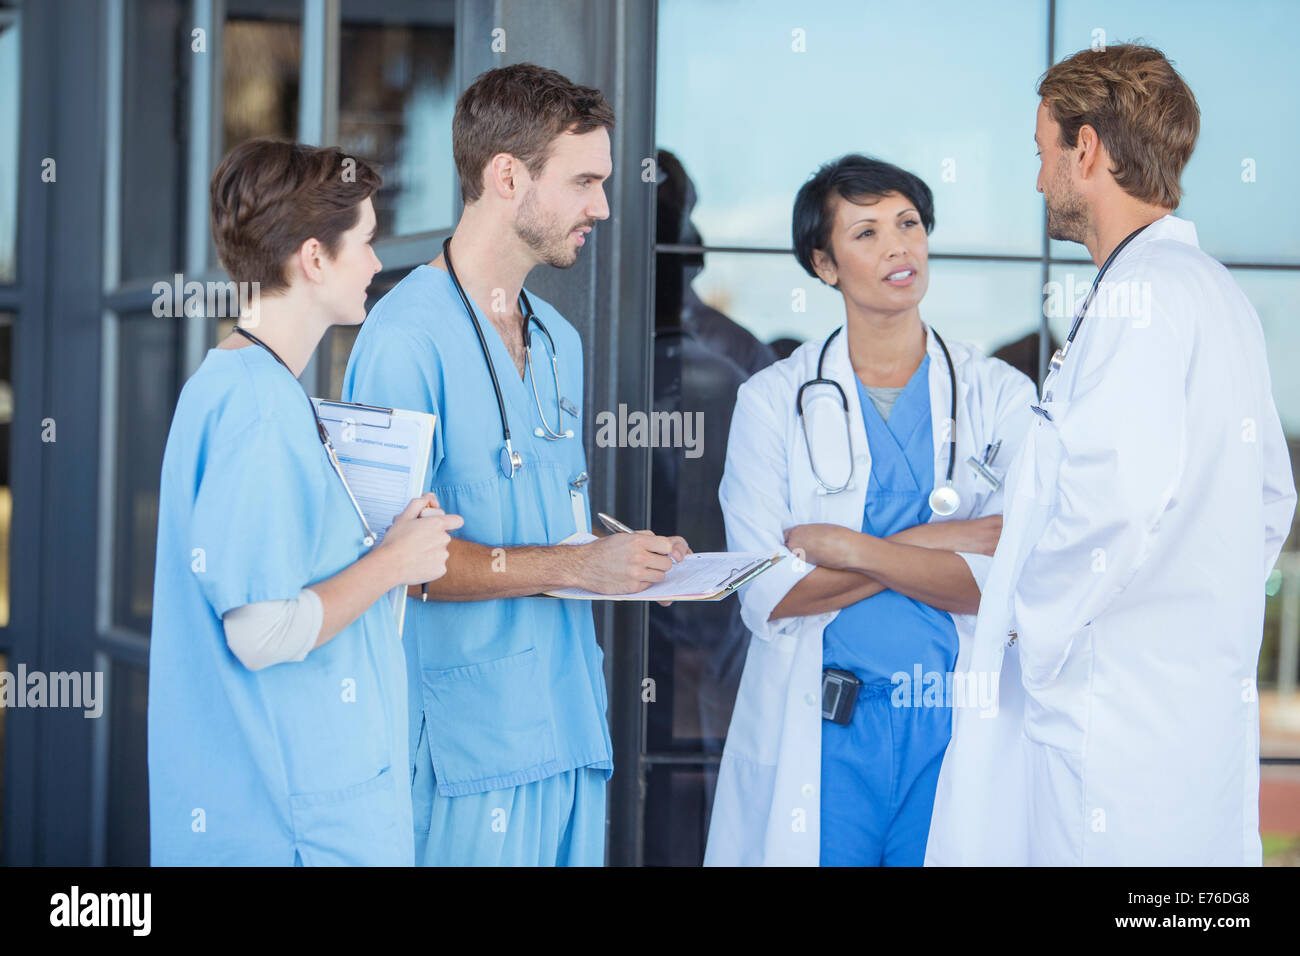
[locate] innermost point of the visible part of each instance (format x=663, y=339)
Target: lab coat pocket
x=1057, y=677
x=489, y=724
x=352, y=826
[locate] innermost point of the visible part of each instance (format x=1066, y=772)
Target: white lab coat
x=1140, y=524
x=766, y=807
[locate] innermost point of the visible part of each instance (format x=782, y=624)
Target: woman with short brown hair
x=277, y=683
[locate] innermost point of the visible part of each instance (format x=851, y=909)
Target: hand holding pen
x=643, y=563
x=419, y=547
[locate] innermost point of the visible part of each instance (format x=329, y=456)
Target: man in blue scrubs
x=511, y=750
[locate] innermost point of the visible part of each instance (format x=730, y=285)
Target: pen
x=424, y=588
x=613, y=524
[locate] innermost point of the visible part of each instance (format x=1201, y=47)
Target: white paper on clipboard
x=384, y=454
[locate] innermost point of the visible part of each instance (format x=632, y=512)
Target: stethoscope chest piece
x=944, y=500
x=509, y=460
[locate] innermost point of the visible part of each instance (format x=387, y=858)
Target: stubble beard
x=541, y=234
x=1067, y=213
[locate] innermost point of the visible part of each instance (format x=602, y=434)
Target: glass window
x=1274, y=294
x=10, y=49
x=1239, y=185
x=6, y=423
x=678, y=805
x=397, y=94
x=988, y=304
x=127, y=837
x=155, y=100
x=4, y=668
x=753, y=96
x=147, y=387
x=262, y=56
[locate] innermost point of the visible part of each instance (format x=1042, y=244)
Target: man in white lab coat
x=1150, y=502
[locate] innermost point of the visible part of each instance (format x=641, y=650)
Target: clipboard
x=384, y=454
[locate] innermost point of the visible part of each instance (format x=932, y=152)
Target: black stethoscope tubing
x=1058, y=357
x=844, y=399
x=321, y=433
x=1092, y=292
x=510, y=460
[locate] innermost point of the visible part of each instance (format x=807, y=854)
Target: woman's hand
x=825, y=545
x=972, y=535
x=417, y=541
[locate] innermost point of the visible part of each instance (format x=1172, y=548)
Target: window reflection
x=127, y=816
x=6, y=422
x=9, y=56
x=155, y=98
x=1238, y=186
x=753, y=99
x=396, y=98
x=678, y=804
x=4, y=667
x=147, y=388
x=262, y=54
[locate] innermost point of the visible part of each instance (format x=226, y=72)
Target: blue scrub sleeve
x=391, y=369
x=257, y=518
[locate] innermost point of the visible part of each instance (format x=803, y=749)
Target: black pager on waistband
x=839, y=693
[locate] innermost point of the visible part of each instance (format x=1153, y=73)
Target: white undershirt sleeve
x=274, y=632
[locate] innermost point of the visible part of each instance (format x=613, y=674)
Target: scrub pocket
x=488, y=723
x=351, y=826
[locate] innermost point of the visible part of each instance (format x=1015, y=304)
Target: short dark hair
x=520, y=110
x=853, y=177
x=269, y=197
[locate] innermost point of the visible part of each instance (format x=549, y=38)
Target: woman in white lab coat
x=856, y=478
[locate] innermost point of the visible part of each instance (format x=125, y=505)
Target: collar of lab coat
x=847, y=508
x=1166, y=227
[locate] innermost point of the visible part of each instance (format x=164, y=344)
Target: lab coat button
x=807, y=790
x=810, y=699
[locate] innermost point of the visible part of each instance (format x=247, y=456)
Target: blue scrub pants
x=879, y=775
x=558, y=821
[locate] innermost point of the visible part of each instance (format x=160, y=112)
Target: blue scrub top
x=510, y=690
x=304, y=759
x=891, y=632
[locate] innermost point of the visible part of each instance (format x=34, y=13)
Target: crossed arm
x=921, y=562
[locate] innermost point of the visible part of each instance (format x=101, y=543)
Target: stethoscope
x=509, y=459
x=1058, y=357
x=944, y=500
x=323, y=434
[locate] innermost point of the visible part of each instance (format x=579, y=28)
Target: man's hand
x=630, y=563
x=825, y=545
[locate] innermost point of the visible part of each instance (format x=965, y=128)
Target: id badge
x=581, y=514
